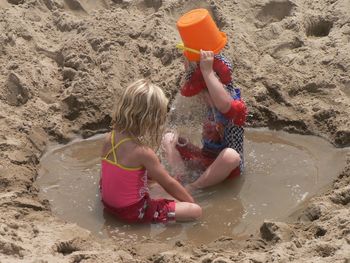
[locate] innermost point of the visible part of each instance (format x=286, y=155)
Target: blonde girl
x=128, y=159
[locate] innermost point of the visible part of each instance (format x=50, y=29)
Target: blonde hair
x=141, y=112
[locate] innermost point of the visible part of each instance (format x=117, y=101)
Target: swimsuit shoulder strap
x=113, y=150
x=115, y=147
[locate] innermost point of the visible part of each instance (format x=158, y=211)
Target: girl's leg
x=172, y=155
x=219, y=170
x=185, y=211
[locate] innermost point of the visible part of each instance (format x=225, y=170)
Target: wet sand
x=65, y=61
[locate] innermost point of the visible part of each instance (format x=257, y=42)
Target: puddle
x=282, y=172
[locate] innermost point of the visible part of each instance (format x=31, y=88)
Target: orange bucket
x=199, y=31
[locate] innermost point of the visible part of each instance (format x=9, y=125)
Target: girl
x=128, y=159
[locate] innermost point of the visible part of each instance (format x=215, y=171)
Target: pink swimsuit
x=125, y=193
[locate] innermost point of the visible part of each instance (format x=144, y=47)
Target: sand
x=64, y=62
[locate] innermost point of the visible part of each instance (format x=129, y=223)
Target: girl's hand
x=157, y=172
x=206, y=61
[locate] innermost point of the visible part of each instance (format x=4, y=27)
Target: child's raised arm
x=221, y=98
x=158, y=173
x=232, y=109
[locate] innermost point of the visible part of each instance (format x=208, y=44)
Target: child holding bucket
x=128, y=160
x=209, y=76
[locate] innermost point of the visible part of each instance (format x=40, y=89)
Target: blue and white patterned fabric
x=233, y=136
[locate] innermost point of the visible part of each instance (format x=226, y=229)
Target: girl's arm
x=158, y=173
x=218, y=94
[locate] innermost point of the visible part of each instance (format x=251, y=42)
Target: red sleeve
x=237, y=112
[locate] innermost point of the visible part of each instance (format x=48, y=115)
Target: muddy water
x=282, y=172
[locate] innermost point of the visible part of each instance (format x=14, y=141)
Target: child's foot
x=169, y=142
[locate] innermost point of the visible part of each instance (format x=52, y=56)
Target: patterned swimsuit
x=219, y=130
x=224, y=133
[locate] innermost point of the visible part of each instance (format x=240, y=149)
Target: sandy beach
x=63, y=63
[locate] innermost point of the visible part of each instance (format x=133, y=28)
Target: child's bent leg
x=175, y=161
x=219, y=170
x=185, y=211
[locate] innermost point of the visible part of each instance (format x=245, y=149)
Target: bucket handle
x=182, y=47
